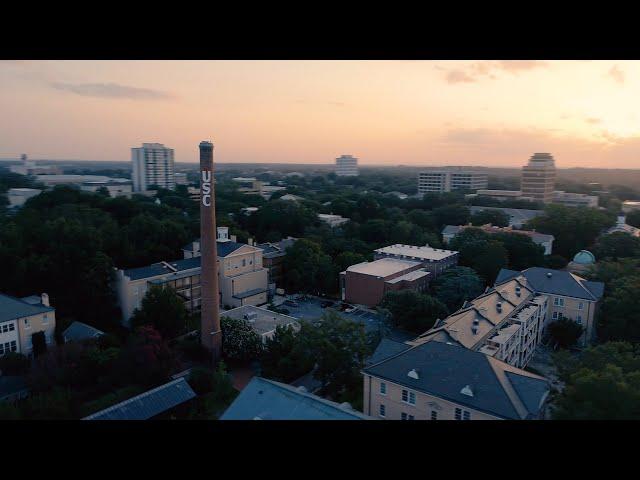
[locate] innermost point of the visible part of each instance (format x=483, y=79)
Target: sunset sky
x=490, y=113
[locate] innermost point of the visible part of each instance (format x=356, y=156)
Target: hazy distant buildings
x=539, y=177
x=447, y=179
x=449, y=232
x=346, y=166
x=18, y=196
x=153, y=164
x=181, y=178
x=116, y=187
x=569, y=199
x=29, y=167
x=630, y=206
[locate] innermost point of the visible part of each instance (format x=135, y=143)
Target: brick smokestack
x=210, y=334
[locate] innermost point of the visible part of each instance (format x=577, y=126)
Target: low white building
x=115, y=188
x=264, y=322
x=575, y=199
x=623, y=227
x=332, y=220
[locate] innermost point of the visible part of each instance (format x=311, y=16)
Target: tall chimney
x=210, y=333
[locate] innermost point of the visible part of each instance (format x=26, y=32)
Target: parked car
x=350, y=309
x=326, y=304
x=290, y=303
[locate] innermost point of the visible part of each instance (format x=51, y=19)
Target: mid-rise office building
x=346, y=166
x=153, y=164
x=448, y=179
x=539, y=177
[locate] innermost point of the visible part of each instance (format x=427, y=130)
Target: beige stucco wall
x=571, y=310
x=36, y=323
x=394, y=405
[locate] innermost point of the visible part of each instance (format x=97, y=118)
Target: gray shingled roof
x=224, y=248
x=78, y=331
x=270, y=400
x=559, y=283
x=385, y=349
x=159, y=268
x=148, y=404
x=12, y=308
x=444, y=370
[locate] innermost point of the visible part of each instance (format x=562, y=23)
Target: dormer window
x=466, y=390
x=413, y=373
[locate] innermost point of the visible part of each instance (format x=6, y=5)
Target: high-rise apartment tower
x=346, y=166
x=152, y=165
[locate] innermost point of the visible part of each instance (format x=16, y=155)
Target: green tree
x=620, y=316
x=574, y=228
x=240, y=343
x=14, y=364
x=284, y=357
x=633, y=218
x=565, y=332
x=602, y=383
x=521, y=250
x=309, y=269
x=496, y=218
x=162, y=308
x=456, y=285
x=339, y=347
x=413, y=311
x=617, y=245
x=346, y=259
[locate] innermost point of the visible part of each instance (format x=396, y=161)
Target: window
x=408, y=397
x=405, y=416
x=12, y=327
x=466, y=415
x=555, y=315
x=45, y=318
x=558, y=302
x=434, y=415
x=14, y=347
x=383, y=388
x=462, y=414
x=244, y=262
x=579, y=319
x=458, y=414
x=27, y=324
x=382, y=411
x=5, y=328
x=580, y=305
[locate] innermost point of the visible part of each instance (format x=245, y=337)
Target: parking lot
x=310, y=309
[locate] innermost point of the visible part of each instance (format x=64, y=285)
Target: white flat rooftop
x=383, y=267
x=422, y=252
x=261, y=320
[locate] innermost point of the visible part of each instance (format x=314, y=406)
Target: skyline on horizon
x=385, y=113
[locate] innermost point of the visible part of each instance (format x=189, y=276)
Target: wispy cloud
x=593, y=120
x=617, y=74
x=491, y=69
x=111, y=90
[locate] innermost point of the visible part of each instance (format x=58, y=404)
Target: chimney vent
x=499, y=307
x=223, y=234
x=44, y=299
x=549, y=274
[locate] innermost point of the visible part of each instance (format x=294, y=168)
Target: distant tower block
x=210, y=333
x=346, y=166
x=539, y=177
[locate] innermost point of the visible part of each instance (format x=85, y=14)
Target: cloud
x=617, y=74
x=111, y=90
x=593, y=120
x=458, y=76
x=509, y=146
x=491, y=69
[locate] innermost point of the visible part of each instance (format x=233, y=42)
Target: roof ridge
x=505, y=383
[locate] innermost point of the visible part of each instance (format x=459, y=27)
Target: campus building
x=539, y=177
x=444, y=381
x=346, y=166
x=569, y=199
x=434, y=260
x=506, y=322
x=273, y=254
x=570, y=296
x=366, y=283
x=332, y=220
x=264, y=322
x=447, y=179
x=242, y=279
x=545, y=241
x=517, y=216
x=623, y=227
x=153, y=164
x=21, y=318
